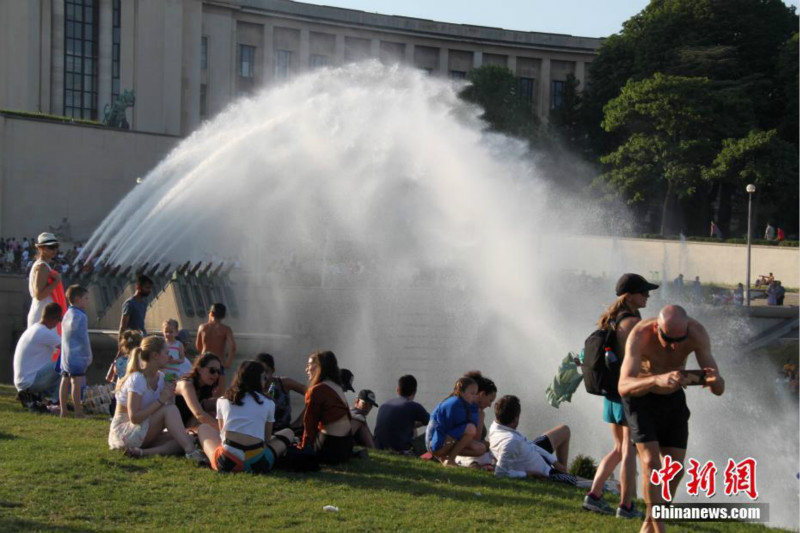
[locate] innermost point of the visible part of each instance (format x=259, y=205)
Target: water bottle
x=271, y=390
x=611, y=357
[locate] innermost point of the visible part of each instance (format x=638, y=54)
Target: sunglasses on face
x=52, y=247
x=673, y=340
x=646, y=294
x=214, y=371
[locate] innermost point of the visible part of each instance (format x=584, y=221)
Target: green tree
x=667, y=123
x=769, y=162
x=497, y=91
x=746, y=49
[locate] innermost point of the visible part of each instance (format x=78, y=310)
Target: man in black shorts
x=651, y=385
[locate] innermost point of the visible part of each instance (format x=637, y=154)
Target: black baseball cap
x=632, y=284
x=347, y=379
x=367, y=395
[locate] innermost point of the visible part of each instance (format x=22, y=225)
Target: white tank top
x=35, y=313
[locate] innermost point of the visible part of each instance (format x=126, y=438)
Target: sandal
x=134, y=453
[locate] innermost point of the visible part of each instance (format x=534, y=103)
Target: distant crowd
x=18, y=255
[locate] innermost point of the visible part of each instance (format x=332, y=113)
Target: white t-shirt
x=516, y=455
x=138, y=383
x=250, y=418
x=34, y=351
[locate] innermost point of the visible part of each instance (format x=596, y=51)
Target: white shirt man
x=34, y=370
x=516, y=455
x=544, y=457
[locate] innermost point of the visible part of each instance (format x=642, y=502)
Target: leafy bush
x=583, y=466
x=793, y=244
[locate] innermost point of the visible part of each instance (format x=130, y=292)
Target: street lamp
x=750, y=190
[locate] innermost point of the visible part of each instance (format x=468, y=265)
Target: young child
x=178, y=363
x=453, y=426
x=217, y=338
x=131, y=339
x=76, y=352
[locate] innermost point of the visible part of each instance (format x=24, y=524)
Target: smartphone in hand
x=694, y=377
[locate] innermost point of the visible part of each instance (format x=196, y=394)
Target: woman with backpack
x=632, y=293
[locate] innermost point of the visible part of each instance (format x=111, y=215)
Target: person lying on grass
x=453, y=427
x=545, y=457
x=145, y=407
x=243, y=441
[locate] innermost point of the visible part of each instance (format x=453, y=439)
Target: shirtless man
x=215, y=337
x=651, y=386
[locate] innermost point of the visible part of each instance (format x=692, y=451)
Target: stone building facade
x=187, y=59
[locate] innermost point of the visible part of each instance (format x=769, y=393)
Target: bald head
x=673, y=320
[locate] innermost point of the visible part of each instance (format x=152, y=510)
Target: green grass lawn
x=58, y=475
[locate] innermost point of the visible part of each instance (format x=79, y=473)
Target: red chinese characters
x=664, y=475
x=741, y=477
x=701, y=478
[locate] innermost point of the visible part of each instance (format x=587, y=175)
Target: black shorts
x=658, y=417
x=334, y=450
x=543, y=441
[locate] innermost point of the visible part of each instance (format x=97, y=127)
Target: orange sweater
x=323, y=406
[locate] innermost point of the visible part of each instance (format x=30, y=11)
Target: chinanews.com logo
x=738, y=478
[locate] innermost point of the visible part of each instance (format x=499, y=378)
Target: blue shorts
x=72, y=368
x=613, y=412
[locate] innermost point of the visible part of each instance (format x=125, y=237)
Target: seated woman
x=487, y=392
x=453, y=428
x=194, y=391
x=243, y=440
x=326, y=421
x=145, y=408
x=280, y=387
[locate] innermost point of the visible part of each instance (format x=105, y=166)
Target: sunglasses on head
x=672, y=340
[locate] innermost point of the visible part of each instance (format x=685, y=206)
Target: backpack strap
x=619, y=318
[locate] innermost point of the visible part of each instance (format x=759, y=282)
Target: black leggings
x=334, y=450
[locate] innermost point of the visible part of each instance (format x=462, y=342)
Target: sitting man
x=34, y=370
x=364, y=403
x=399, y=417
x=545, y=457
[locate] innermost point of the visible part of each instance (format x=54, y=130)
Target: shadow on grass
x=127, y=467
x=7, y=436
x=19, y=524
x=416, y=478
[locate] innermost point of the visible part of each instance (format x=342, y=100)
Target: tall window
x=80, y=58
x=247, y=56
x=203, y=100
x=115, y=43
x=204, y=53
x=526, y=87
x=318, y=60
x=283, y=59
x=458, y=75
x=557, y=94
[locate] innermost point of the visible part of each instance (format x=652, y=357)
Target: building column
x=338, y=50
x=268, y=59
x=444, y=62
x=409, y=54
x=45, y=65
x=191, y=77
x=57, y=68
x=544, y=89
x=375, y=48
x=512, y=64
x=477, y=59
x=580, y=74
x=305, y=47
x=127, y=53
x=104, y=58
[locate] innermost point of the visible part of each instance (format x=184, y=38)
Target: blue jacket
x=450, y=418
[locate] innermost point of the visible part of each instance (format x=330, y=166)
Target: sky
x=585, y=18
